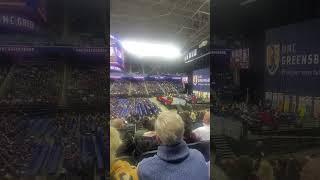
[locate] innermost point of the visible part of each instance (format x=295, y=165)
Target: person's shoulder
x=196, y=154
x=147, y=162
x=147, y=166
x=198, y=129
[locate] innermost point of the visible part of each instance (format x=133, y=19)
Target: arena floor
x=161, y=106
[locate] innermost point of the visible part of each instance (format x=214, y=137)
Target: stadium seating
x=145, y=88
x=132, y=107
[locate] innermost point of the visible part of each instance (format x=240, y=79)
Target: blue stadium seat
x=54, y=160
x=38, y=159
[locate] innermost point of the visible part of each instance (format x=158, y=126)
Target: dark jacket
x=174, y=162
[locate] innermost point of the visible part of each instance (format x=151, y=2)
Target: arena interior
x=153, y=73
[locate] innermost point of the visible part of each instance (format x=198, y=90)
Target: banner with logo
x=201, y=80
x=201, y=84
x=292, y=59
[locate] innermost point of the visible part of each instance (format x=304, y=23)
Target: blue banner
x=201, y=80
x=292, y=59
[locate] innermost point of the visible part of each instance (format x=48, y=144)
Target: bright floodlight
x=143, y=49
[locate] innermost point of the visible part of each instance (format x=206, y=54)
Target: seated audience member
x=189, y=136
x=265, y=171
x=310, y=171
x=117, y=123
x=203, y=133
x=198, y=120
x=174, y=160
x=193, y=116
x=127, y=136
x=145, y=139
x=119, y=170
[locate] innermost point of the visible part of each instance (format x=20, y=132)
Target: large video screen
x=116, y=55
x=201, y=84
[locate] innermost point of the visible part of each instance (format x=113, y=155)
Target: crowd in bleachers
x=120, y=87
x=153, y=88
x=4, y=70
x=129, y=108
x=15, y=149
x=145, y=88
x=50, y=82
x=31, y=82
x=168, y=87
x=138, y=88
x=87, y=84
x=52, y=144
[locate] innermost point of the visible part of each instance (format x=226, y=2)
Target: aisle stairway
x=223, y=149
x=164, y=92
x=145, y=86
x=130, y=88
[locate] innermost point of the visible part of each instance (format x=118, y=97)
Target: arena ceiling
x=78, y=16
x=183, y=22
x=250, y=16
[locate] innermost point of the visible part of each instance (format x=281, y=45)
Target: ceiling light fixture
x=145, y=49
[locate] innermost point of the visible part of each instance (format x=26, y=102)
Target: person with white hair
x=203, y=132
x=174, y=160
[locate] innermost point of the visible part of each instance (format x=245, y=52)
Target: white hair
x=169, y=127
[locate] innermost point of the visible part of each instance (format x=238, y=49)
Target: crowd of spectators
x=4, y=70
x=31, y=83
x=15, y=149
x=135, y=108
x=145, y=88
x=141, y=138
x=168, y=87
x=167, y=134
x=119, y=87
x=49, y=82
x=34, y=144
x=138, y=89
x=87, y=84
x=259, y=118
x=153, y=88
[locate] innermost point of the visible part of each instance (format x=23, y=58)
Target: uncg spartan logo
x=273, y=58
